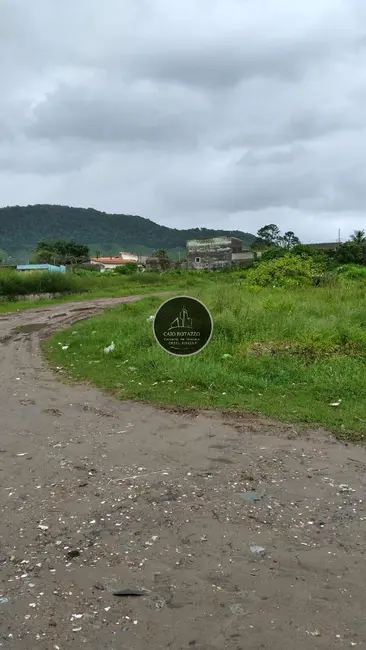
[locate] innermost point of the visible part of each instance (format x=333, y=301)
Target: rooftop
x=326, y=245
x=110, y=260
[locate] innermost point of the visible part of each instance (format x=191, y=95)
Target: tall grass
x=15, y=283
x=292, y=354
x=83, y=285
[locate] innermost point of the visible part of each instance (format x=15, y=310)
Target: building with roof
x=217, y=253
x=41, y=267
x=110, y=263
x=106, y=263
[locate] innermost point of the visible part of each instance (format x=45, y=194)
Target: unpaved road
x=98, y=496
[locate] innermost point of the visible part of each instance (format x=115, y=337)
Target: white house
x=107, y=263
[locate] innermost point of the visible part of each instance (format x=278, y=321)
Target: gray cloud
x=215, y=113
x=110, y=111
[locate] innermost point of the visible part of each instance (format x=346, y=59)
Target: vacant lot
x=298, y=355
x=28, y=290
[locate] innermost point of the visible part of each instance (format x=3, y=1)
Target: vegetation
x=84, y=284
x=23, y=227
x=296, y=353
x=286, y=271
x=162, y=258
x=358, y=237
x=14, y=283
x=60, y=251
x=274, y=245
x=270, y=236
x=126, y=269
x=350, y=252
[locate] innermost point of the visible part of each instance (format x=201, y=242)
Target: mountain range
x=22, y=227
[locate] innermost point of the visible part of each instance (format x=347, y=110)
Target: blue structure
x=41, y=267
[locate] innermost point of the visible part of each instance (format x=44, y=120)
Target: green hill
x=22, y=227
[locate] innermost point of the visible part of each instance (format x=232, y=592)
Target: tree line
x=269, y=241
x=272, y=243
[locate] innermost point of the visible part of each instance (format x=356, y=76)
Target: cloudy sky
x=218, y=113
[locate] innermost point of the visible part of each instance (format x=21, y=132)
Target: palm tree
x=359, y=237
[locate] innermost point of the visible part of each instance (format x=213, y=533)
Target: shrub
x=126, y=269
x=349, y=253
x=290, y=270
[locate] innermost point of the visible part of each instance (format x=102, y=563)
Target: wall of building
x=131, y=257
x=245, y=258
x=213, y=257
x=211, y=253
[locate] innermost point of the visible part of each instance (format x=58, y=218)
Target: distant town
x=201, y=254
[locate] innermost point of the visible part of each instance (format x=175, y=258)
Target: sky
x=227, y=114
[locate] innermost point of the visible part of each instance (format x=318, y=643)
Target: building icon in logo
x=182, y=321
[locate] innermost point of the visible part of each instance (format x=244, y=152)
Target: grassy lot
x=294, y=352
x=94, y=285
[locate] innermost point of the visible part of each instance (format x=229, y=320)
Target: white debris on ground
x=105, y=534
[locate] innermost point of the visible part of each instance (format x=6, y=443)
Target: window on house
x=198, y=259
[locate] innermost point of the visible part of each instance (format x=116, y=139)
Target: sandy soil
x=99, y=496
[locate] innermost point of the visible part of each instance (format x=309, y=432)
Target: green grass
x=88, y=286
x=293, y=353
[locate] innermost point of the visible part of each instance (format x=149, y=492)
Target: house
x=217, y=253
x=110, y=263
x=41, y=267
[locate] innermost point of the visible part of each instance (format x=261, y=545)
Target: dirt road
x=99, y=496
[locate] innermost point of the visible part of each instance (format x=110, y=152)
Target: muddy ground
x=99, y=496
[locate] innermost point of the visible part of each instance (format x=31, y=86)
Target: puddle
x=22, y=329
x=31, y=327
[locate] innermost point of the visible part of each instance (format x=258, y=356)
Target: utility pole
x=339, y=235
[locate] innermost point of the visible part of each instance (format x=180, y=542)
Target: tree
x=289, y=240
x=97, y=254
x=60, y=251
x=270, y=235
x=349, y=253
x=163, y=260
x=358, y=237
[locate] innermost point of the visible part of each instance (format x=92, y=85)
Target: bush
x=349, y=253
x=126, y=269
x=289, y=270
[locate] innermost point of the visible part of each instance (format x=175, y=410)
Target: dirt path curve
x=98, y=496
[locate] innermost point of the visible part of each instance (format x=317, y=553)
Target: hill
x=22, y=227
